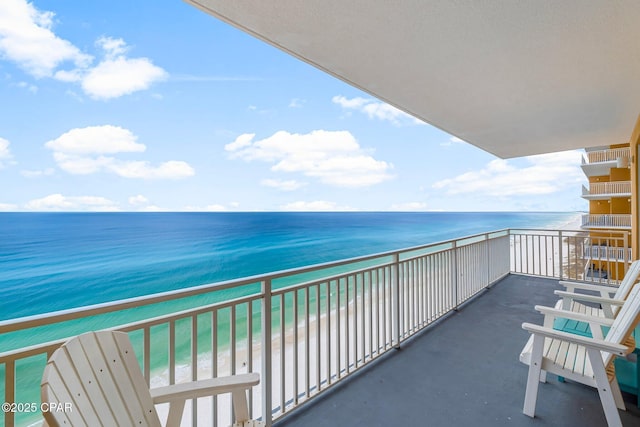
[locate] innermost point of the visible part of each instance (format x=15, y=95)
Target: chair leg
x=533, y=380
x=604, y=389
x=617, y=395
x=543, y=376
x=176, y=408
x=240, y=406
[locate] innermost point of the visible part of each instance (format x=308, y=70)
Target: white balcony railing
x=303, y=330
x=608, y=155
x=622, y=188
x=607, y=253
x=606, y=221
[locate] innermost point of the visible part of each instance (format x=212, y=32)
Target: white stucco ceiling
x=512, y=77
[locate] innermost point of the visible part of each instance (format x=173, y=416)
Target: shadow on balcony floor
x=464, y=372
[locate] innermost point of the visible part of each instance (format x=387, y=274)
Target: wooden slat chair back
x=626, y=320
x=97, y=373
x=582, y=359
x=571, y=300
x=627, y=284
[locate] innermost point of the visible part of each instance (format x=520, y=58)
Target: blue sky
x=144, y=106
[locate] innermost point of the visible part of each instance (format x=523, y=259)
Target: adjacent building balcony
x=607, y=253
x=606, y=190
x=608, y=221
x=453, y=307
x=600, y=162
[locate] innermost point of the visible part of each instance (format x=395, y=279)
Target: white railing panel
x=570, y=255
x=606, y=221
x=608, y=155
x=615, y=187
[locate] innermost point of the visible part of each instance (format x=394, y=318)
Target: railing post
x=560, y=257
x=488, y=247
x=395, y=292
x=267, y=379
x=626, y=261
x=455, y=274
x=9, y=391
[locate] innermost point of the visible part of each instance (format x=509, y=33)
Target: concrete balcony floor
x=463, y=372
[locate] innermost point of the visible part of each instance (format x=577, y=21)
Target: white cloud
x=6, y=207
x=208, y=208
x=409, y=206
x=153, y=208
x=117, y=75
x=453, y=140
x=58, y=202
x=318, y=205
x=82, y=165
x=172, y=169
x=31, y=88
x=288, y=185
x=215, y=208
x=37, y=173
x=333, y=157
x=545, y=174
x=26, y=38
x=244, y=140
x=113, y=48
x=5, y=154
x=83, y=151
x=353, y=103
x=296, y=103
x=138, y=200
x=375, y=110
x=105, y=139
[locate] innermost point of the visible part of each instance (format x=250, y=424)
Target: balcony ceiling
x=512, y=77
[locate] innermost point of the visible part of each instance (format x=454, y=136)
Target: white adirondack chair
x=610, y=298
x=97, y=373
x=582, y=359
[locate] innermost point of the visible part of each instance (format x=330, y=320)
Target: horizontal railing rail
x=571, y=255
x=608, y=155
x=303, y=329
x=606, y=221
x=606, y=188
x=607, y=253
x=306, y=329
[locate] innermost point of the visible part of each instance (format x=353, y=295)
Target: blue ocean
x=55, y=261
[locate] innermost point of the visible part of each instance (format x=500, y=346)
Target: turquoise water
x=55, y=261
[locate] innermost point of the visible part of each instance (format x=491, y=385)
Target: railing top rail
x=609, y=150
x=612, y=215
x=12, y=325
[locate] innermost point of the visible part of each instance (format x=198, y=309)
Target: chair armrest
x=588, y=287
x=614, y=348
x=589, y=298
x=203, y=388
x=548, y=311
